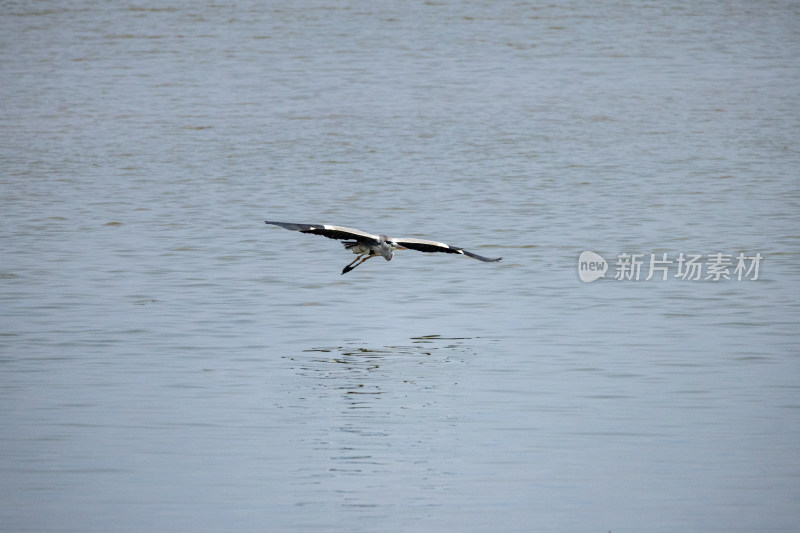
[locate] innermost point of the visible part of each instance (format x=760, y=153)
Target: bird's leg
x=354, y=264
x=354, y=260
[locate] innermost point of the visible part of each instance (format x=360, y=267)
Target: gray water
x=170, y=363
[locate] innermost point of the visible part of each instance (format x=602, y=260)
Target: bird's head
x=388, y=247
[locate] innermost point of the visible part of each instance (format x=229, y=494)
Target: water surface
x=168, y=362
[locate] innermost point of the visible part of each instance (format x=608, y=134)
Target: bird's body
x=367, y=245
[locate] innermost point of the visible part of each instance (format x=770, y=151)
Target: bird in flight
x=367, y=245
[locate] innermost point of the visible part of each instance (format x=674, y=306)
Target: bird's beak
x=401, y=248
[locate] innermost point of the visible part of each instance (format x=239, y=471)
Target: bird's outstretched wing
x=331, y=232
x=421, y=245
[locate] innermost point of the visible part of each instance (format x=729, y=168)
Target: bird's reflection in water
x=368, y=408
x=364, y=374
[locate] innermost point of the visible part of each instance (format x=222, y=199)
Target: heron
x=366, y=245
